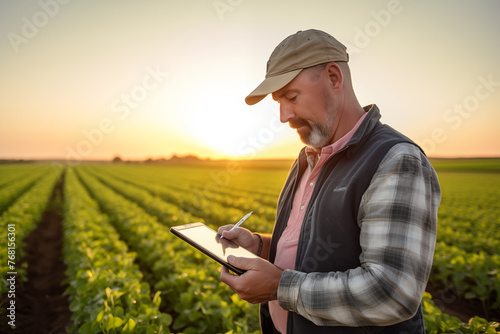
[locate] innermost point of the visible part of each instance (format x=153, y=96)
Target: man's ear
x=335, y=75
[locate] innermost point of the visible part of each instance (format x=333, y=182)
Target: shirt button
x=311, y=184
x=301, y=207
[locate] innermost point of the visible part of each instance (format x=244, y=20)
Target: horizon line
x=192, y=157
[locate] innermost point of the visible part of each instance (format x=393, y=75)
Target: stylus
x=242, y=220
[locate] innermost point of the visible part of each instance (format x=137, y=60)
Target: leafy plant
x=106, y=288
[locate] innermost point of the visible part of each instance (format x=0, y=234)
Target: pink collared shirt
x=287, y=244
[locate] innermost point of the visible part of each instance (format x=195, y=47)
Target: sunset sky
x=92, y=79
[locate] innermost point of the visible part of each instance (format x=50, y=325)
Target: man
x=353, y=242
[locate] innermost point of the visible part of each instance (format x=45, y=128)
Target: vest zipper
x=316, y=190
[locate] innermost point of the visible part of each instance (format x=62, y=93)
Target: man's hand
x=258, y=285
x=241, y=236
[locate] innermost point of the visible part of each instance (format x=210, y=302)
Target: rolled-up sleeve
x=397, y=217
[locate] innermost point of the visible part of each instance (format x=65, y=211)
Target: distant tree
x=117, y=159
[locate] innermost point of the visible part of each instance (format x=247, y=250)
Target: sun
x=218, y=119
x=211, y=119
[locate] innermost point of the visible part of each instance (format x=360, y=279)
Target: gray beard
x=320, y=133
x=319, y=136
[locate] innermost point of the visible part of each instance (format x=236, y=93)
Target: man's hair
x=315, y=71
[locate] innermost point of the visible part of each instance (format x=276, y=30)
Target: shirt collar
x=312, y=155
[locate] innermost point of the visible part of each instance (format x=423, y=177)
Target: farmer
x=355, y=229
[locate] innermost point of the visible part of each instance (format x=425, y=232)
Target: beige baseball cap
x=297, y=52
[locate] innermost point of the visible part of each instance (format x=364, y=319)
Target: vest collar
x=368, y=124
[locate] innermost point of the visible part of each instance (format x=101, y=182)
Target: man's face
x=307, y=105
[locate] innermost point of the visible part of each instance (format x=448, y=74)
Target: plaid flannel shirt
x=397, y=217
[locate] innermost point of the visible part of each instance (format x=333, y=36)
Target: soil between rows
x=448, y=302
x=41, y=306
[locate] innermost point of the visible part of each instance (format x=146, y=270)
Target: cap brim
x=270, y=85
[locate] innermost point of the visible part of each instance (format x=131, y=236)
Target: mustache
x=298, y=122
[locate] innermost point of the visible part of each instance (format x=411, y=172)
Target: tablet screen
x=209, y=242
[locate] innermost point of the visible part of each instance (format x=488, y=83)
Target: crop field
x=87, y=249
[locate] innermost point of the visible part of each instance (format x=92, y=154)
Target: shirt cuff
x=289, y=288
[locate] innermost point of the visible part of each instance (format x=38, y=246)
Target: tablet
x=209, y=242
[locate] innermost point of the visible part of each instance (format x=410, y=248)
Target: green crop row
x=189, y=282
x=17, y=222
x=472, y=275
x=213, y=186
x=469, y=214
x=213, y=212
x=222, y=185
x=467, y=256
x=167, y=213
x=105, y=285
x=12, y=173
x=478, y=165
x=437, y=322
x=479, y=240
x=13, y=190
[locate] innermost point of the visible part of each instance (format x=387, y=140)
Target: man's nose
x=286, y=112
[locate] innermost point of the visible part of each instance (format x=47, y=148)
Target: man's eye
x=292, y=99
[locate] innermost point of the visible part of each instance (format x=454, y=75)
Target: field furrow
x=18, y=221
